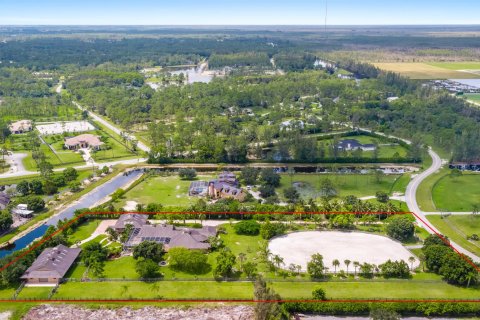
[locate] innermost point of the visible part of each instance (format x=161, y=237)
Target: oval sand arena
x=298, y=247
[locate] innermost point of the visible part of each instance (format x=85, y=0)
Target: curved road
x=411, y=200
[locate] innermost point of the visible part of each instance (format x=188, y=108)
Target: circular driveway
x=298, y=247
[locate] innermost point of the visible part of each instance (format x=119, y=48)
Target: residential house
x=20, y=126
x=225, y=186
x=4, y=200
x=136, y=220
x=219, y=190
x=353, y=144
x=83, y=141
x=51, y=265
x=22, y=211
x=173, y=237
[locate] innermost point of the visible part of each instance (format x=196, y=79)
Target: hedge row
x=404, y=308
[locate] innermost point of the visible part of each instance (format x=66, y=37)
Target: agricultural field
x=359, y=185
x=458, y=228
x=431, y=71
x=457, y=194
x=166, y=190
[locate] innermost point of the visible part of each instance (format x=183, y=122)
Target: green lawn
x=458, y=194
x=287, y=290
x=457, y=228
x=475, y=97
x=384, y=151
x=359, y=185
x=34, y=292
x=84, y=231
x=167, y=190
x=473, y=65
x=424, y=191
x=400, y=184
x=164, y=289
x=376, y=289
x=7, y=293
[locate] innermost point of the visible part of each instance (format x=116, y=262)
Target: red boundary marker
x=73, y=220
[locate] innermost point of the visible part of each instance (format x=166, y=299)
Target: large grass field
x=457, y=228
x=418, y=70
x=287, y=290
x=359, y=185
x=386, y=149
x=475, y=97
x=459, y=194
x=469, y=65
x=167, y=190
x=424, y=191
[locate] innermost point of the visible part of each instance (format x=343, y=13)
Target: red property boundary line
x=73, y=220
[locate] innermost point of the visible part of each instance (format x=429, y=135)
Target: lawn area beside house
x=162, y=289
x=457, y=194
x=359, y=185
x=386, y=149
x=457, y=228
x=84, y=231
x=34, y=292
x=166, y=190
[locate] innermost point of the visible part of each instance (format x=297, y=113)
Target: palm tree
x=356, y=264
x=241, y=257
x=411, y=260
x=299, y=269
x=470, y=276
x=277, y=260
x=335, y=264
x=347, y=263
x=125, y=288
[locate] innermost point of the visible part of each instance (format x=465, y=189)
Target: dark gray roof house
x=353, y=144
x=51, y=265
x=135, y=219
x=172, y=237
x=4, y=200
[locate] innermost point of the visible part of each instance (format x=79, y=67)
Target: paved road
x=115, y=129
x=411, y=200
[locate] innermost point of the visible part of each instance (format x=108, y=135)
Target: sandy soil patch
x=61, y=127
x=71, y=312
x=298, y=247
x=130, y=206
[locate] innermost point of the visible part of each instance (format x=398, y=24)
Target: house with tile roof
x=83, y=141
x=21, y=126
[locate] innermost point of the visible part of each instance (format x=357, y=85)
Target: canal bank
x=88, y=200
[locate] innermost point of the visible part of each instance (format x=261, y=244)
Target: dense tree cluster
x=454, y=267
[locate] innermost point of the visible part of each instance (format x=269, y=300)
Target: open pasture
x=427, y=71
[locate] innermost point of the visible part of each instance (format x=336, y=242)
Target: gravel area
x=71, y=312
x=298, y=247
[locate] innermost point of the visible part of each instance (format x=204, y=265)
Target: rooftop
x=52, y=262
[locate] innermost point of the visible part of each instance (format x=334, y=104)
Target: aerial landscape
x=240, y=160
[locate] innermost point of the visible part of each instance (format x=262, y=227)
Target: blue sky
x=239, y=12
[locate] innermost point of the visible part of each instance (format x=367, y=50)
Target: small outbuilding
x=22, y=211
